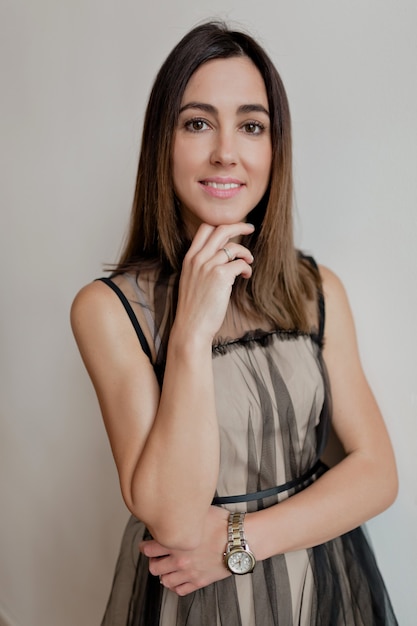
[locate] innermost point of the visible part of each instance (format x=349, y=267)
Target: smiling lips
x=225, y=188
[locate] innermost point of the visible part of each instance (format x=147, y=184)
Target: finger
x=209, y=239
x=200, y=238
x=160, y=567
x=178, y=580
x=184, y=590
x=179, y=566
x=224, y=235
x=228, y=272
x=241, y=268
x=233, y=251
x=152, y=548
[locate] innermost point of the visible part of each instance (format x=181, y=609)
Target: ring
x=228, y=254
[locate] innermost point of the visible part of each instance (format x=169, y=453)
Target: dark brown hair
x=281, y=280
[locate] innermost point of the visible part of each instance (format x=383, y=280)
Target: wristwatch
x=238, y=558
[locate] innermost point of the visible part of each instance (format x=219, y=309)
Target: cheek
x=183, y=162
x=178, y=167
x=262, y=165
x=268, y=162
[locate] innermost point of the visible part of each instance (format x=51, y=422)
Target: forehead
x=235, y=78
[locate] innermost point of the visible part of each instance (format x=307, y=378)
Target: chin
x=212, y=218
x=227, y=218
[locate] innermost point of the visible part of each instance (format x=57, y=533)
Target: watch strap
x=235, y=532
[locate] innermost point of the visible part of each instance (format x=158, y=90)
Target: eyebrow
x=209, y=108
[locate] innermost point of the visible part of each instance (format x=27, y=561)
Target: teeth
x=222, y=185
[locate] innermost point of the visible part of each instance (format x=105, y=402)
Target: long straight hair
x=282, y=280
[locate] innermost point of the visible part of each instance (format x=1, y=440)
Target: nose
x=224, y=149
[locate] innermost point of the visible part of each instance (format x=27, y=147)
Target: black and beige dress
x=273, y=410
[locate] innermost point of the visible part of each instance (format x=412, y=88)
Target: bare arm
x=362, y=485
x=165, y=445
x=365, y=482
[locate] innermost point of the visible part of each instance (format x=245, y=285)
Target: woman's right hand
x=208, y=275
x=165, y=442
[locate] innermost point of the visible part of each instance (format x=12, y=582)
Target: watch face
x=240, y=562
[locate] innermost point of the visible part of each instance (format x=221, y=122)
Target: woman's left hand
x=185, y=571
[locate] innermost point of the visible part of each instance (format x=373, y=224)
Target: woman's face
x=222, y=151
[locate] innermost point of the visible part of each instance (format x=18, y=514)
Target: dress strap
x=322, y=314
x=131, y=314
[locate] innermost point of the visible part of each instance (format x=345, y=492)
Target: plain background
x=76, y=75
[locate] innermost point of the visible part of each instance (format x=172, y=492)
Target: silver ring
x=228, y=254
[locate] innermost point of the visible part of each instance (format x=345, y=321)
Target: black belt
x=318, y=468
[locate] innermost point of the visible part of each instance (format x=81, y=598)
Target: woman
x=217, y=382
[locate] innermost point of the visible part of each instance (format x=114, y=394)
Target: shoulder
x=340, y=341
x=330, y=279
x=93, y=312
x=109, y=316
x=92, y=303
x=326, y=295
x=90, y=293
x=100, y=324
x=334, y=293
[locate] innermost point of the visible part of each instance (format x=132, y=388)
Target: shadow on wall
x=5, y=620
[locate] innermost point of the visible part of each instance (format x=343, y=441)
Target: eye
x=196, y=125
x=253, y=128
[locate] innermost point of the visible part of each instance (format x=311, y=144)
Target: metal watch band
x=238, y=558
x=236, y=535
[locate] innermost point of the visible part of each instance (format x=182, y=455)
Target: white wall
x=75, y=78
